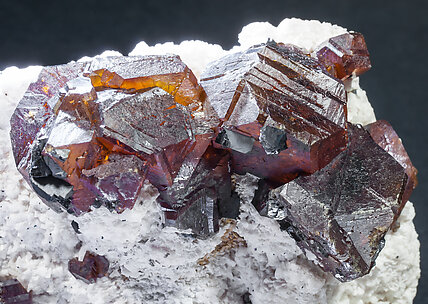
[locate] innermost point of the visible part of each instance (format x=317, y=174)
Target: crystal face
x=92, y=267
x=345, y=55
x=11, y=291
x=110, y=124
x=284, y=114
x=385, y=136
x=342, y=212
x=93, y=133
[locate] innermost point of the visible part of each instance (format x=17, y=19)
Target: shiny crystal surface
x=192, y=195
x=92, y=267
x=385, y=136
x=11, y=291
x=94, y=133
x=279, y=106
x=342, y=212
x=35, y=110
x=111, y=124
x=345, y=55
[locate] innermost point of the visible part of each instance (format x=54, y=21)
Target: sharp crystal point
x=281, y=97
x=385, y=136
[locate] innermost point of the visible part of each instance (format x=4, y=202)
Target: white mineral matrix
x=152, y=264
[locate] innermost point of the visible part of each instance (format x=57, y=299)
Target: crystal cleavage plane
x=92, y=133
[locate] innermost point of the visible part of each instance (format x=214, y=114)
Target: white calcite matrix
x=153, y=264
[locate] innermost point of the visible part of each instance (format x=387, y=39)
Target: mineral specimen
x=93, y=133
x=345, y=55
x=92, y=267
x=11, y=291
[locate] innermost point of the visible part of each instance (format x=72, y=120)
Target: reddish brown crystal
x=279, y=168
x=192, y=176
x=284, y=90
x=345, y=55
x=35, y=109
x=12, y=292
x=386, y=137
x=100, y=133
x=342, y=212
x=92, y=267
x=93, y=133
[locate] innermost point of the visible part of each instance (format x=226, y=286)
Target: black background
x=396, y=32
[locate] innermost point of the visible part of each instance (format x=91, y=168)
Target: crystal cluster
x=92, y=133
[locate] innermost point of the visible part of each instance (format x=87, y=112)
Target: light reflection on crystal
x=92, y=133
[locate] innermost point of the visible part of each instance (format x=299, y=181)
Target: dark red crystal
x=345, y=55
x=11, y=291
x=93, y=133
x=273, y=91
x=385, y=136
x=342, y=212
x=92, y=267
x=202, y=183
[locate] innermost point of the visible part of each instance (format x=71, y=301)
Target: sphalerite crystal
x=345, y=55
x=385, y=136
x=91, y=268
x=11, y=291
x=92, y=133
x=342, y=212
x=285, y=114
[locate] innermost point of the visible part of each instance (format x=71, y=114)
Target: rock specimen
x=92, y=133
x=11, y=291
x=92, y=267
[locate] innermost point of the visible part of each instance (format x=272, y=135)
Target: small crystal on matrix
x=92, y=267
x=93, y=133
x=11, y=291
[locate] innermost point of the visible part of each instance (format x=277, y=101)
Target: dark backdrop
x=396, y=32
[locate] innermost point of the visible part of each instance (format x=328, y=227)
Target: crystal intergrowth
x=91, y=134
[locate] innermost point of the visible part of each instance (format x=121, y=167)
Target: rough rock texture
x=160, y=265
